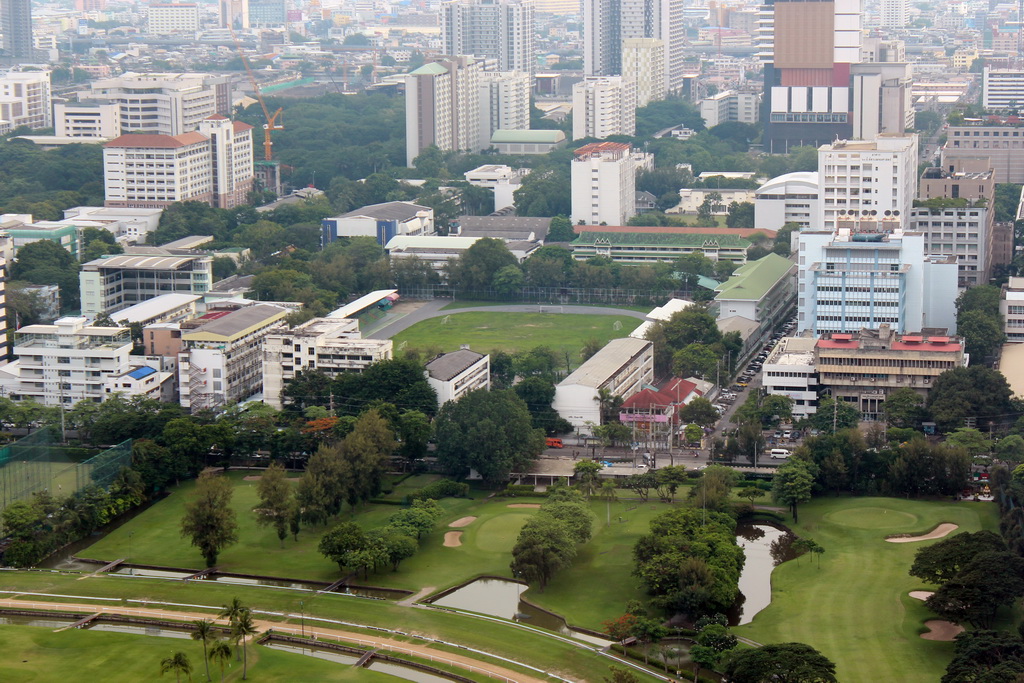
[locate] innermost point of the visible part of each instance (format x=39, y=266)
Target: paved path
x=388, y=644
x=432, y=309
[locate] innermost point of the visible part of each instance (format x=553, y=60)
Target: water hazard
x=765, y=547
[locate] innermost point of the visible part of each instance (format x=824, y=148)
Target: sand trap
x=524, y=505
x=942, y=630
x=940, y=531
x=459, y=523
x=453, y=539
x=921, y=595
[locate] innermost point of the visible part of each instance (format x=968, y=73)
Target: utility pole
x=835, y=413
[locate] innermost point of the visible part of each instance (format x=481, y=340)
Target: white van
x=779, y=453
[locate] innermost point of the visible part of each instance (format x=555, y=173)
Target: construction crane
x=272, y=119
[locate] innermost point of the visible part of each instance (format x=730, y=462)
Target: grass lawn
x=855, y=608
x=487, y=332
x=41, y=656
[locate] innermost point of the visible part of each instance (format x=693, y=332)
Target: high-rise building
x=881, y=99
x=557, y=6
x=504, y=103
x=808, y=49
x=25, y=100
x=643, y=62
x=603, y=106
x=501, y=30
x=894, y=13
x=267, y=13
x=607, y=23
x=234, y=14
x=1002, y=144
x=168, y=18
x=1002, y=89
x=867, y=178
x=442, y=106
x=16, y=27
x=604, y=183
x=730, y=105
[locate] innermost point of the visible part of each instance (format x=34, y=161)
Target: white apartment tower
x=1002, y=89
x=643, y=62
x=894, y=13
x=867, y=178
x=604, y=184
x=603, y=106
x=607, y=23
x=442, y=106
x=25, y=100
x=490, y=29
x=164, y=19
x=504, y=103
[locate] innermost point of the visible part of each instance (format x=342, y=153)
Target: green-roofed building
x=527, y=141
x=762, y=291
x=650, y=247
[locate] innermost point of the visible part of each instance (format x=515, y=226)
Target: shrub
x=445, y=488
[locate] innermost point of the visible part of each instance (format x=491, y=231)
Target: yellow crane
x=272, y=119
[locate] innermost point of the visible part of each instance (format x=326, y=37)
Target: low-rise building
x=127, y=225
x=329, y=345
x=730, y=105
x=438, y=250
x=789, y=198
x=763, y=291
x=455, y=374
x=789, y=371
x=621, y=368
x=97, y=121
x=221, y=361
x=21, y=233
x=1011, y=308
x=527, y=141
x=113, y=283
x=380, y=221
x=48, y=297
x=166, y=308
x=650, y=245
x=141, y=380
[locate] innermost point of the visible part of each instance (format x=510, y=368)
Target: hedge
x=445, y=488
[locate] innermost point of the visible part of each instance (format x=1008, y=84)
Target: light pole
x=130, y=570
x=302, y=618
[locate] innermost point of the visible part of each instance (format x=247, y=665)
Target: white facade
x=25, y=100
x=172, y=18
x=87, y=120
x=331, y=345
x=1002, y=89
x=848, y=280
x=882, y=99
x=622, y=368
x=504, y=103
x=1011, y=307
x=603, y=106
x=894, y=13
x=131, y=225
x=604, y=184
x=960, y=232
x=643, y=62
x=114, y=283
x=490, y=29
x=789, y=198
x=878, y=175
x=608, y=23
x=140, y=380
x=730, y=105
x=166, y=308
x=500, y=179
x=442, y=107
x=380, y=221
x=789, y=371
x=455, y=374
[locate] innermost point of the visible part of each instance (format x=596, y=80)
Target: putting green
x=873, y=518
x=497, y=534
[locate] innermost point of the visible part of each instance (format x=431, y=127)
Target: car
x=787, y=435
x=742, y=384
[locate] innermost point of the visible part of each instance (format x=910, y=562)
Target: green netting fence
x=38, y=462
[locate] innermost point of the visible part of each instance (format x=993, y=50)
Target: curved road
x=432, y=309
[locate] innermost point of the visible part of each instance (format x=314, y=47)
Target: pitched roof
x=431, y=69
x=647, y=399
x=447, y=366
x=388, y=211
x=753, y=280
x=674, y=230
x=604, y=364
x=216, y=117
x=543, y=136
x=240, y=126
x=161, y=141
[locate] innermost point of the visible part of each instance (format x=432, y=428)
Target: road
x=432, y=309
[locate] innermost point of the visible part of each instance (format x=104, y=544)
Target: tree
x=586, y=472
x=179, y=664
x=204, y=632
x=780, y=663
x=413, y=433
x=983, y=334
x=970, y=440
x=560, y=230
x=985, y=656
x=220, y=652
x=621, y=676
x=1010, y=449
x=975, y=391
x=713, y=641
x=741, y=215
x=574, y=515
x=696, y=360
x=341, y=543
x=47, y=263
x=243, y=628
x=699, y=411
x=543, y=548
x=832, y=413
x=987, y=582
x=324, y=486
x=275, y=504
x=903, y=408
x=945, y=559
x=792, y=485
x=366, y=450
x=475, y=269
x=714, y=488
x=488, y=431
x=209, y=521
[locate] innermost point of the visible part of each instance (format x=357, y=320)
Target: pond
x=765, y=547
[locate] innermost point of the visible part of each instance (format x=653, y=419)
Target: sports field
x=855, y=609
x=511, y=332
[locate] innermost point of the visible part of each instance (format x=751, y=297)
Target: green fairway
x=855, y=609
x=487, y=332
x=41, y=656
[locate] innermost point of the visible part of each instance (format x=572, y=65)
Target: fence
x=550, y=295
x=38, y=463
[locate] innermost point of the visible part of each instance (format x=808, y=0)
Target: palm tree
x=204, y=632
x=231, y=613
x=240, y=630
x=220, y=651
x=179, y=664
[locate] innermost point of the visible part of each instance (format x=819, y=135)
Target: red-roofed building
x=604, y=182
x=652, y=412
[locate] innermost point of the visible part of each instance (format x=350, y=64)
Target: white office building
x=166, y=19
x=859, y=177
x=894, y=13
x=25, y=100
x=604, y=183
x=789, y=371
x=603, y=106
x=855, y=278
x=166, y=308
x=442, y=107
x=1011, y=307
x=501, y=30
x=113, y=283
x=882, y=99
x=789, y=198
x=87, y=119
x=453, y=375
x=331, y=345
x=621, y=368
x=730, y=105
x=1002, y=89
x=504, y=103
x=643, y=62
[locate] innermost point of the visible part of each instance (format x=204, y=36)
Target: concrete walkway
x=432, y=309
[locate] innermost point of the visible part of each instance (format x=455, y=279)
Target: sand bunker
x=459, y=523
x=940, y=531
x=524, y=505
x=453, y=539
x=942, y=630
x=921, y=595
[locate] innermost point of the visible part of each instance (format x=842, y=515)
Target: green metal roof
x=431, y=69
x=535, y=136
x=655, y=239
x=754, y=279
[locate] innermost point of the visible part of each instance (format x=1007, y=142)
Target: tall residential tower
x=490, y=29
